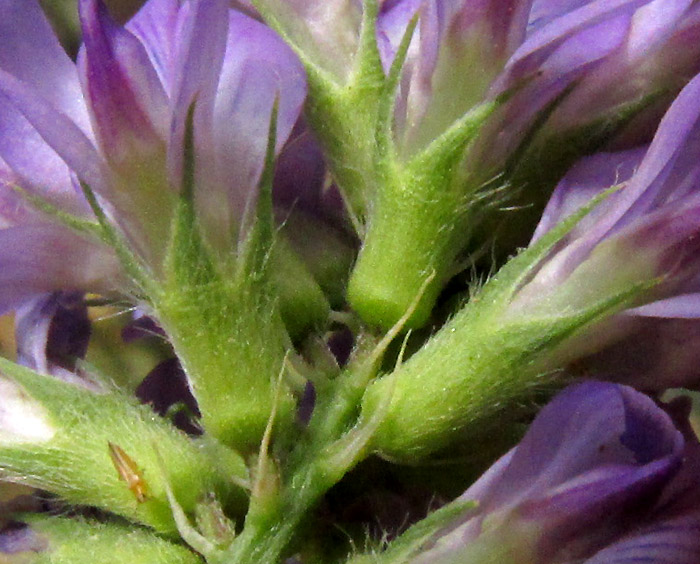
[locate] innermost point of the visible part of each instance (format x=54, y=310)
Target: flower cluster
x=295, y=202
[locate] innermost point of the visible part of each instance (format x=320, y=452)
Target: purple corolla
x=602, y=475
x=117, y=120
x=644, y=235
x=613, y=53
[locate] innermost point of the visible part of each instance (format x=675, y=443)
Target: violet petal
x=40, y=258
x=128, y=104
x=156, y=24
x=595, y=457
x=258, y=68
x=202, y=29
x=672, y=541
x=57, y=130
x=30, y=51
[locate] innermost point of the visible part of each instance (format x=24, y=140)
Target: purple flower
x=472, y=118
x=602, y=475
x=615, y=52
x=117, y=122
x=645, y=235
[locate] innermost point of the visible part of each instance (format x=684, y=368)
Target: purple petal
x=30, y=51
x=30, y=163
x=655, y=354
x=656, y=207
x=56, y=129
x=652, y=59
x=41, y=258
x=671, y=159
x=202, y=33
x=128, y=104
x=141, y=327
x=671, y=534
x=684, y=306
x=258, y=68
x=584, y=428
x=166, y=385
x=586, y=179
x=326, y=29
x=18, y=537
x=391, y=25
x=300, y=174
x=551, y=39
x=475, y=35
x=156, y=24
x=52, y=332
x=653, y=23
x=550, y=59
x=671, y=541
x=596, y=458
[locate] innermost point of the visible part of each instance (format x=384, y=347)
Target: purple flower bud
x=603, y=473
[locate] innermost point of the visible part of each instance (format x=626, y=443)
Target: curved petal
x=596, y=457
x=128, y=105
x=30, y=51
x=202, y=29
x=584, y=428
x=30, y=163
x=327, y=29
x=668, y=541
x=258, y=69
x=155, y=24
x=655, y=354
x=684, y=306
x=41, y=258
x=586, y=179
x=56, y=129
x=548, y=39
x=474, y=35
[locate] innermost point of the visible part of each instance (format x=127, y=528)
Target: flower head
x=491, y=93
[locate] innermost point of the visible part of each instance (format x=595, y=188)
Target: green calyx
x=413, y=216
x=420, y=221
x=58, y=540
x=223, y=317
x=487, y=366
x=104, y=452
